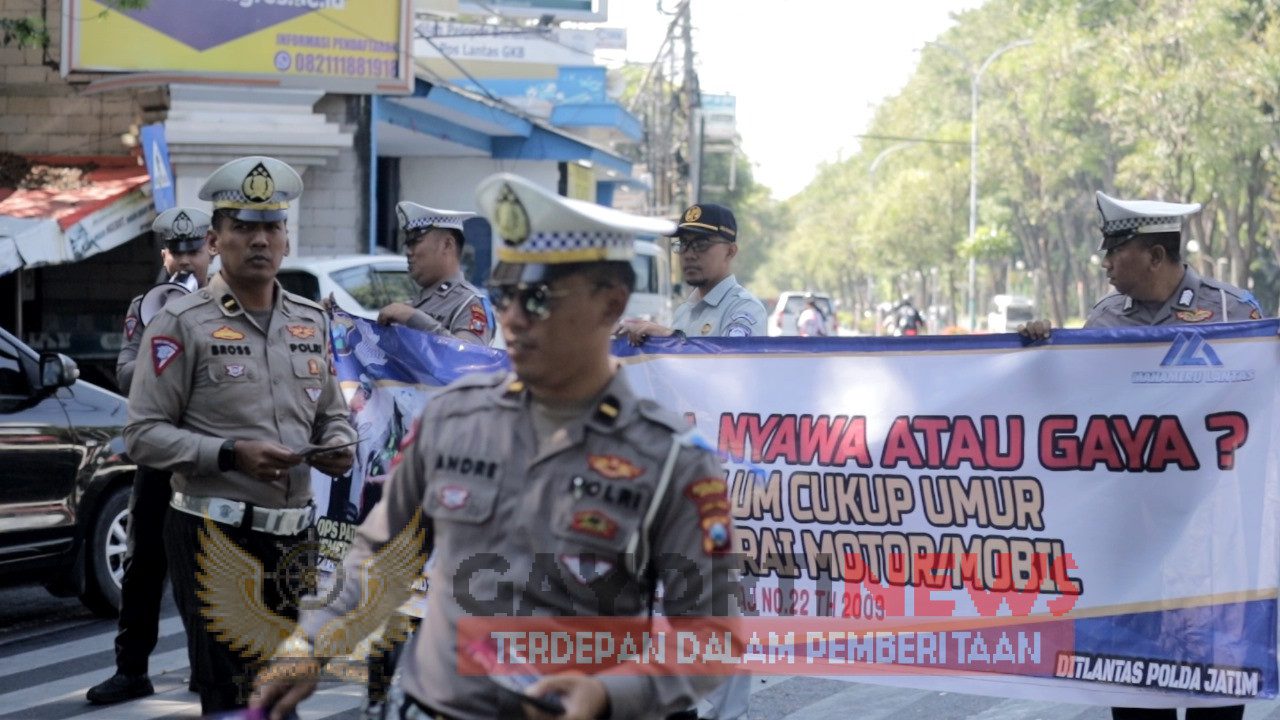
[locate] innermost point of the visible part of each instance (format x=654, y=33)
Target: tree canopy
x=1138, y=98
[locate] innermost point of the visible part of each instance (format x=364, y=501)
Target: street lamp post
x=975, y=77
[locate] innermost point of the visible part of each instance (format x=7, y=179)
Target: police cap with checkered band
x=539, y=229
x=253, y=189
x=1122, y=220
x=181, y=229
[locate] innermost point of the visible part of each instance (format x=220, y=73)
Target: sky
x=807, y=73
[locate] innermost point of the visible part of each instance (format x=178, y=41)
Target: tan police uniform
x=727, y=310
x=180, y=230
x=1198, y=300
x=579, y=525
x=212, y=374
x=453, y=306
x=240, y=549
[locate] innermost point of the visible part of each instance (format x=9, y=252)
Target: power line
x=903, y=138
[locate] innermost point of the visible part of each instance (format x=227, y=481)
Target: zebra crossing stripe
x=62, y=652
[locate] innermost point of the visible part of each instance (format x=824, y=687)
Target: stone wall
x=42, y=113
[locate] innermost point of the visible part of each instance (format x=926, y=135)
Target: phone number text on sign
x=320, y=64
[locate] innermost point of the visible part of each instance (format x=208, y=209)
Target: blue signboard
x=156, y=154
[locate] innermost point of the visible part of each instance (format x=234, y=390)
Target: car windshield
x=375, y=287
x=646, y=278
x=301, y=283
x=1020, y=313
x=795, y=305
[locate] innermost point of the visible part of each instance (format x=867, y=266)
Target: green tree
x=34, y=32
x=1140, y=99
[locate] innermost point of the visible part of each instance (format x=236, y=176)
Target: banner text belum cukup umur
x=1091, y=519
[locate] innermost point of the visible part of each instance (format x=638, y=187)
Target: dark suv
x=64, y=478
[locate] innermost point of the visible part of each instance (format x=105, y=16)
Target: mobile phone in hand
x=486, y=654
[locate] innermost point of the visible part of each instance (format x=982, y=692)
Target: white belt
x=281, y=521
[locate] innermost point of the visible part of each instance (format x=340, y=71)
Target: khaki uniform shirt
x=1197, y=300
x=727, y=310
x=454, y=307
x=209, y=374
x=129, y=350
x=512, y=529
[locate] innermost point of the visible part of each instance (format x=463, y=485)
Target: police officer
x=182, y=232
x=1142, y=242
x=447, y=303
x=234, y=387
x=706, y=241
x=515, y=468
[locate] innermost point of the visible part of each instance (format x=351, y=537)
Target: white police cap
x=541, y=228
x=413, y=216
x=181, y=229
x=1122, y=219
x=254, y=189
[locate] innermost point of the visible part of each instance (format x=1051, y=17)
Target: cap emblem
x=182, y=225
x=692, y=214
x=512, y=220
x=258, y=185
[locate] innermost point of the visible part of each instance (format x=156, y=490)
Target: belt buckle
x=224, y=511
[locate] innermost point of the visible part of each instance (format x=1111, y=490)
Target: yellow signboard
x=580, y=182
x=352, y=46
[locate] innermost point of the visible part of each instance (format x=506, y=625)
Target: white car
x=364, y=284
x=361, y=284
x=785, y=314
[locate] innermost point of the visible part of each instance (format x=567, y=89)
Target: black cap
x=709, y=219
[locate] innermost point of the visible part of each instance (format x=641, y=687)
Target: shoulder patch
x=164, y=350
x=479, y=322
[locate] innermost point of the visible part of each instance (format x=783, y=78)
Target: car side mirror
x=57, y=370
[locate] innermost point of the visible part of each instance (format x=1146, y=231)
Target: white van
x=651, y=299
x=1010, y=311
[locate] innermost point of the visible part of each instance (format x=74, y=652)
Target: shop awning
x=437, y=120
x=70, y=208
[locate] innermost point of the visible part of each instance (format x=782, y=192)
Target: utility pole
x=693, y=105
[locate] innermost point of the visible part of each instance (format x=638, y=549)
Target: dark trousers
x=382, y=665
x=1231, y=712
x=225, y=676
x=144, y=569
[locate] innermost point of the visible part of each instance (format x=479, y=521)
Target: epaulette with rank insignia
x=607, y=411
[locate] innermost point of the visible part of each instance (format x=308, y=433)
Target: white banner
x=1089, y=520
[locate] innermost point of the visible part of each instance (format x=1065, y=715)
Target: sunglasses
x=534, y=300
x=698, y=245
